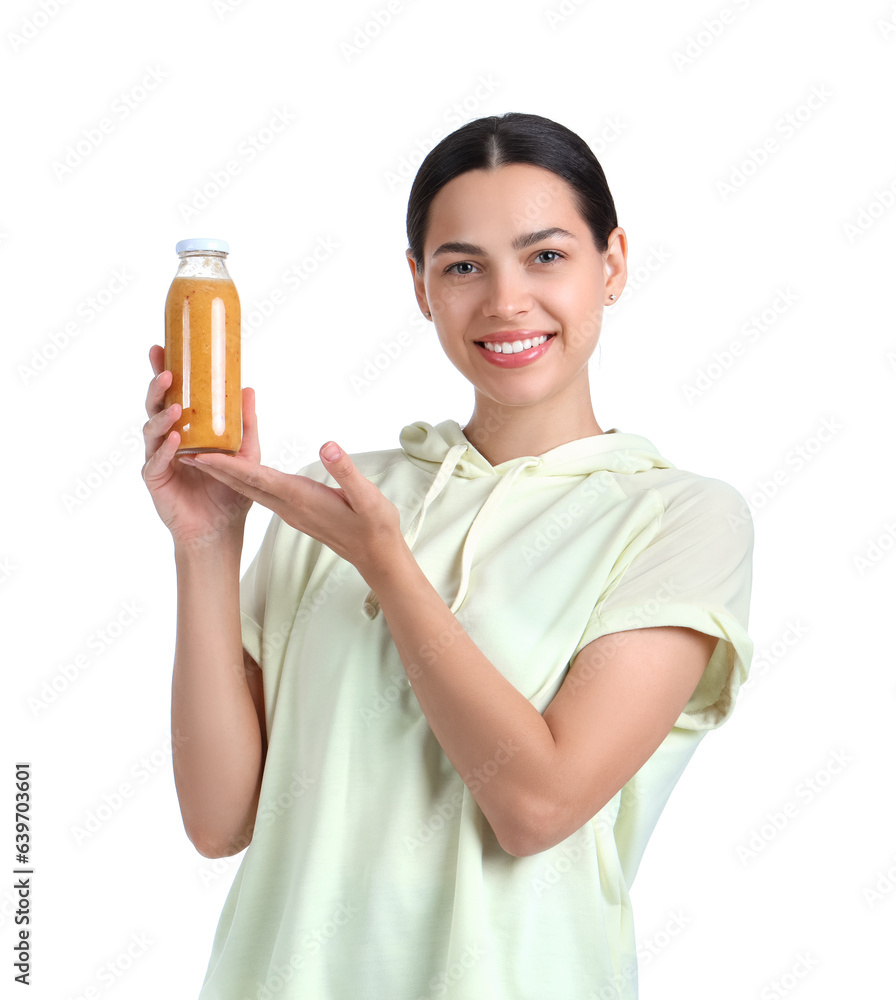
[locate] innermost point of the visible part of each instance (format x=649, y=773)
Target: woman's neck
x=501, y=432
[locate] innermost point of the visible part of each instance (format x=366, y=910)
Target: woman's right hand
x=194, y=507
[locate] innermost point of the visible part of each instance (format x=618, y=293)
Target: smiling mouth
x=514, y=346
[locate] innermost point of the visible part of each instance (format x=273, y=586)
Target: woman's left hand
x=354, y=519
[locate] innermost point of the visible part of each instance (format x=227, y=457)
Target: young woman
x=453, y=692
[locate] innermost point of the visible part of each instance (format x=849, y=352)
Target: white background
x=675, y=99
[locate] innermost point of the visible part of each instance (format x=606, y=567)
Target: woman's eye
x=461, y=263
x=556, y=255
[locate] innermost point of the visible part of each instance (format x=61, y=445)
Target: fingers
x=161, y=420
x=273, y=489
x=250, y=447
x=159, y=458
x=155, y=396
x=156, y=429
x=257, y=482
x=157, y=358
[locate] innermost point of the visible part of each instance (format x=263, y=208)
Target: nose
x=508, y=293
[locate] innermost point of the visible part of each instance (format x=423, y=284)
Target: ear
x=615, y=267
x=419, y=289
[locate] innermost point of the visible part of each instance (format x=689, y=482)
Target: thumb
x=331, y=453
x=355, y=488
x=343, y=470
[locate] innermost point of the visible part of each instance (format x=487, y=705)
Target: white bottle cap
x=203, y=244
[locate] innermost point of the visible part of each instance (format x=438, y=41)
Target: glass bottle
x=202, y=349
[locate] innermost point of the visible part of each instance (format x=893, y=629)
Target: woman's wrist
x=215, y=546
x=394, y=566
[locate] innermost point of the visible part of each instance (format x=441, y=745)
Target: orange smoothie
x=202, y=351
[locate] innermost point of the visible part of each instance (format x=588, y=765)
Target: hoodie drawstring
x=371, y=606
x=476, y=528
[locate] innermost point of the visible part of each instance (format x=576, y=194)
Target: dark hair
x=489, y=143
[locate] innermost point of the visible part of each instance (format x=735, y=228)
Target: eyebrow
x=519, y=243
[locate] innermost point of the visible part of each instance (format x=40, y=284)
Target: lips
x=514, y=346
x=517, y=358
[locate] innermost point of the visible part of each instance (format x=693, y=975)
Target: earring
x=612, y=296
x=428, y=315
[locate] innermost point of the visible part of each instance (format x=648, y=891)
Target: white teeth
x=516, y=346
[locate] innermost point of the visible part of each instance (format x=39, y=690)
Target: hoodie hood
x=444, y=451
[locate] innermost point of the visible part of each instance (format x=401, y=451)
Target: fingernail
x=331, y=451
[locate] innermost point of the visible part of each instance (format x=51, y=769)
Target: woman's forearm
x=496, y=739
x=217, y=739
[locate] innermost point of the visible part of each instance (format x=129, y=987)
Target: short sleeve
x=694, y=569
x=253, y=591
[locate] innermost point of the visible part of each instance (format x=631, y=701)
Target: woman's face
x=508, y=259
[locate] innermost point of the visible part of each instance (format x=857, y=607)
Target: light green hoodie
x=372, y=873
